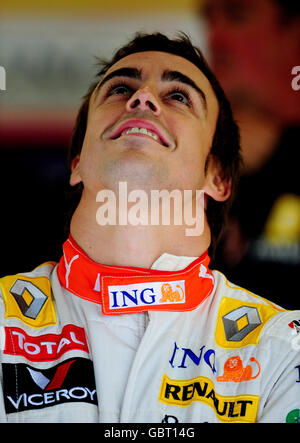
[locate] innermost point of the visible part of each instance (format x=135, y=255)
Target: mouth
x=141, y=128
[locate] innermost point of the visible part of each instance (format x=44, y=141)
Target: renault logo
x=240, y=322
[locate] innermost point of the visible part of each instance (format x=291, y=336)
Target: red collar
x=124, y=290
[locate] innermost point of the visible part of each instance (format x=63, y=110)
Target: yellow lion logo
x=168, y=295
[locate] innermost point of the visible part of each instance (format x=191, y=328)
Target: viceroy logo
x=26, y=387
x=145, y=294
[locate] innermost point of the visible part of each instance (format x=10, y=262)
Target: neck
x=137, y=246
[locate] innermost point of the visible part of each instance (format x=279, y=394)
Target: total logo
x=26, y=387
x=44, y=347
x=145, y=294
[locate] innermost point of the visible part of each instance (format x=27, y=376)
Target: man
x=254, y=47
x=132, y=325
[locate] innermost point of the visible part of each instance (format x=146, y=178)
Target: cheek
x=190, y=164
x=89, y=158
x=94, y=127
x=197, y=138
x=101, y=118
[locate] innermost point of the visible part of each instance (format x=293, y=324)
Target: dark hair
x=225, y=147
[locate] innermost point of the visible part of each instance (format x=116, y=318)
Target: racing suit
x=84, y=342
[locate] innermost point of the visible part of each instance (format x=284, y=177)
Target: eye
x=119, y=89
x=180, y=96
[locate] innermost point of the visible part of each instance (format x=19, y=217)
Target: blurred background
x=48, y=49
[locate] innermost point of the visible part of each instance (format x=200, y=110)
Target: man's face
x=151, y=123
x=253, y=53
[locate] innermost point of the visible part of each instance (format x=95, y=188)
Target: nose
x=145, y=100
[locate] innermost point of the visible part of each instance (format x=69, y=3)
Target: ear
x=217, y=186
x=75, y=177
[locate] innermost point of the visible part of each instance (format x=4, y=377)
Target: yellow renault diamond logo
x=240, y=323
x=28, y=299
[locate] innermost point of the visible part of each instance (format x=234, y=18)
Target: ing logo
x=145, y=294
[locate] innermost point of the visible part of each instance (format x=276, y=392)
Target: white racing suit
x=177, y=343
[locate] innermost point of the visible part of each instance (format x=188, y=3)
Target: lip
x=134, y=123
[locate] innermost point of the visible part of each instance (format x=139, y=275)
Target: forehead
x=153, y=63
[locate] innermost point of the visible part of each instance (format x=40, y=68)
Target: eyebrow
x=167, y=75
x=177, y=76
x=122, y=72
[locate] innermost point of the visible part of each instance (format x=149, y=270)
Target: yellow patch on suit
x=28, y=299
x=182, y=393
x=240, y=323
